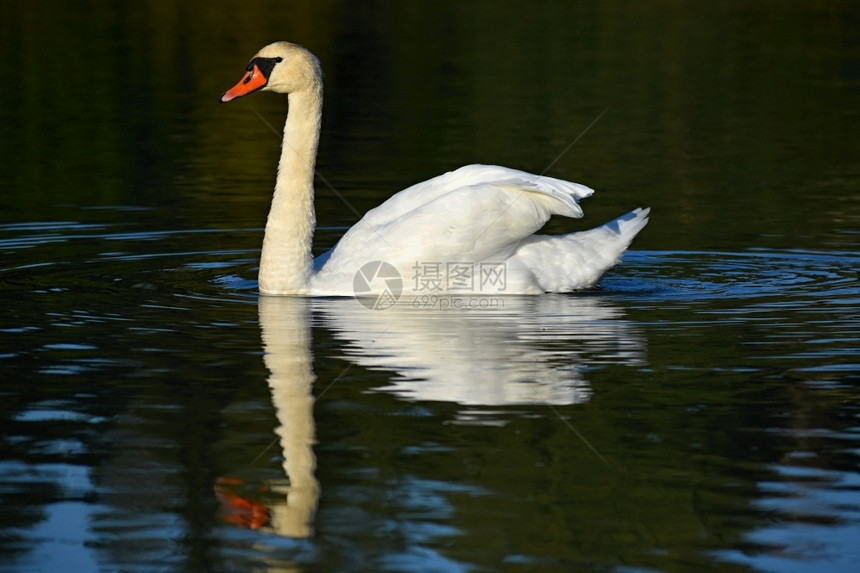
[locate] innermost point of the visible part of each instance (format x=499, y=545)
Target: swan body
x=469, y=231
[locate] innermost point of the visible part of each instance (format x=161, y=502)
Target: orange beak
x=251, y=81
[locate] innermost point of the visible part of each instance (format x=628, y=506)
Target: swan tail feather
x=579, y=260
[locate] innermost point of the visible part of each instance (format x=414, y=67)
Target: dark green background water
x=700, y=411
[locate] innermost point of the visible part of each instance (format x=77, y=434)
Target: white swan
x=439, y=235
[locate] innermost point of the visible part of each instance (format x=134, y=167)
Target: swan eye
x=279, y=59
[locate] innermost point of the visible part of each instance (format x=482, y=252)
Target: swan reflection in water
x=529, y=351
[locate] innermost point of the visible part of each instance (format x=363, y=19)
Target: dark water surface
x=700, y=411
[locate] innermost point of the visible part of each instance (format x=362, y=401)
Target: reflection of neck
x=286, y=342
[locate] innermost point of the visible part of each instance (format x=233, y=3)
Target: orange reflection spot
x=239, y=510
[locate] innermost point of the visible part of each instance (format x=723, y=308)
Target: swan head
x=281, y=67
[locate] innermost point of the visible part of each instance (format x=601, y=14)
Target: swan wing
x=565, y=192
x=476, y=213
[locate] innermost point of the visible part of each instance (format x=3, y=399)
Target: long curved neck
x=286, y=262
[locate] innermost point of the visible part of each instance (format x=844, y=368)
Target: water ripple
x=702, y=275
